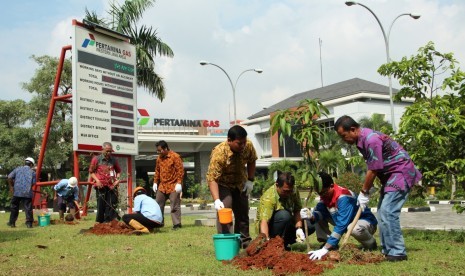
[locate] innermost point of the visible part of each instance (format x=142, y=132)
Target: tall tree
x=432, y=129
x=16, y=142
x=123, y=19
x=59, y=145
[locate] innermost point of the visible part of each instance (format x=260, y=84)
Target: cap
x=30, y=160
x=72, y=182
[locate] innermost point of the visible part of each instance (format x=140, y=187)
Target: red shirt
x=105, y=169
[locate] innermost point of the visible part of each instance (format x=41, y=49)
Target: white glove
x=305, y=213
x=248, y=186
x=363, y=200
x=299, y=235
x=318, y=254
x=218, y=204
x=178, y=188
x=155, y=187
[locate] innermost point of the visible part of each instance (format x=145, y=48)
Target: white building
x=355, y=97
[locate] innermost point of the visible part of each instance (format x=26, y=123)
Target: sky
x=280, y=37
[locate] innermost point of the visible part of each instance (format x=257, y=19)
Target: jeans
x=389, y=207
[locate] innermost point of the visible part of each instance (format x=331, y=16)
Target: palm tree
x=123, y=19
x=376, y=122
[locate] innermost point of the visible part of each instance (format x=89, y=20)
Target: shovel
x=351, y=228
x=307, y=241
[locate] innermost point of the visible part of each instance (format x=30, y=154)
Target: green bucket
x=44, y=220
x=226, y=246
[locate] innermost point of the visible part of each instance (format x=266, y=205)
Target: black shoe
x=12, y=225
x=391, y=258
x=177, y=226
x=29, y=225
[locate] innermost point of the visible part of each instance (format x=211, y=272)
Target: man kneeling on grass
x=147, y=214
x=278, y=213
x=338, y=206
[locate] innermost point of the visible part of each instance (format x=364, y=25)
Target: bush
x=350, y=181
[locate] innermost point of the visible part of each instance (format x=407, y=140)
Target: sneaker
x=391, y=258
x=177, y=226
x=12, y=225
x=29, y=225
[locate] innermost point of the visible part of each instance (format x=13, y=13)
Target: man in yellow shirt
x=279, y=211
x=229, y=181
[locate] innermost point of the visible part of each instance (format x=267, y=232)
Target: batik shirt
x=270, y=202
x=65, y=191
x=169, y=171
x=227, y=168
x=24, y=178
x=105, y=169
x=392, y=163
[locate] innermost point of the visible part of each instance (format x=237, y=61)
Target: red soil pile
x=271, y=255
x=111, y=228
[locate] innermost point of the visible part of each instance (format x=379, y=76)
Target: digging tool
x=307, y=240
x=109, y=205
x=78, y=210
x=351, y=227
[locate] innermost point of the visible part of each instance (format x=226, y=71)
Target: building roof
x=326, y=93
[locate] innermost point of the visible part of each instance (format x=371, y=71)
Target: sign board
x=104, y=92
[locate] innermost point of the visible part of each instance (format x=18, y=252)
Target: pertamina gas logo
x=144, y=117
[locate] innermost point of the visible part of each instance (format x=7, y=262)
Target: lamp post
x=233, y=86
x=386, y=43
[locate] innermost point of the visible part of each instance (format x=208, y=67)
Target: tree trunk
x=453, y=188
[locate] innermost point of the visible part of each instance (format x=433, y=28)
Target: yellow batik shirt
x=228, y=168
x=270, y=202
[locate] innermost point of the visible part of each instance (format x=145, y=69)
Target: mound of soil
x=271, y=255
x=263, y=254
x=111, y=228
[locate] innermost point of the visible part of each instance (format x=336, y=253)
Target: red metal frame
x=39, y=184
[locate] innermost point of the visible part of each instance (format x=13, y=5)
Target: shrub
x=350, y=181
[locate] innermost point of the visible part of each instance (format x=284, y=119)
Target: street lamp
x=386, y=42
x=233, y=86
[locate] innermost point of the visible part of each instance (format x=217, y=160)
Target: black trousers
x=150, y=224
x=107, y=202
x=282, y=224
x=14, y=206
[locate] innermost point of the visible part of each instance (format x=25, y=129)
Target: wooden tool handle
x=351, y=228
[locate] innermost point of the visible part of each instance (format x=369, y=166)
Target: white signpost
x=104, y=92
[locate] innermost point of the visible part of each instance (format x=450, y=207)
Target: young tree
x=123, y=19
x=301, y=124
x=433, y=128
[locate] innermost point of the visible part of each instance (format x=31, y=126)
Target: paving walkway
x=442, y=217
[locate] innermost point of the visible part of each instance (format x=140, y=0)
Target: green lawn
x=188, y=251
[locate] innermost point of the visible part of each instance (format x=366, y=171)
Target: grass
x=188, y=251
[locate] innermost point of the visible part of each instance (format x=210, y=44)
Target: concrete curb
x=446, y=201
x=411, y=209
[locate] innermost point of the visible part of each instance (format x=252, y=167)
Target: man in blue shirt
x=338, y=206
x=21, y=181
x=67, y=193
x=147, y=214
